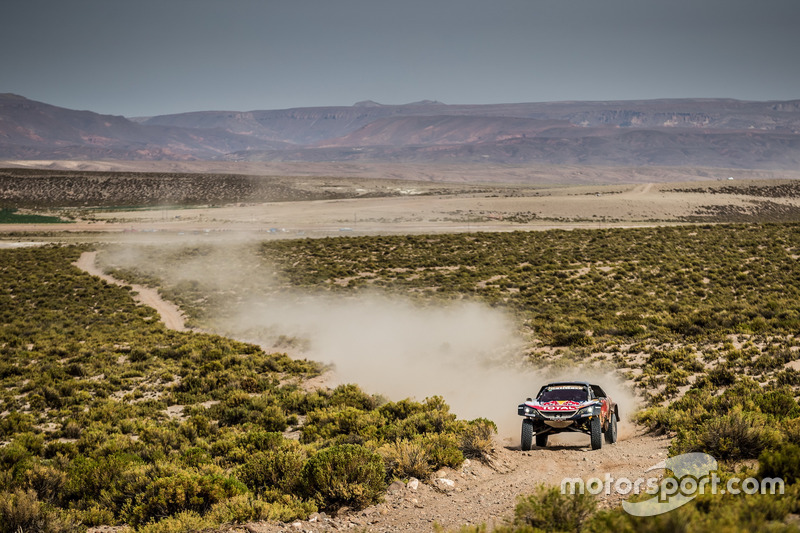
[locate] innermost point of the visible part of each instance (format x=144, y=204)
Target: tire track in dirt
x=170, y=314
x=487, y=493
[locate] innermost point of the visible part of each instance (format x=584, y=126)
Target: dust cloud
x=466, y=352
x=471, y=354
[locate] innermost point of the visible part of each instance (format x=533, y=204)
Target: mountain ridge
x=683, y=132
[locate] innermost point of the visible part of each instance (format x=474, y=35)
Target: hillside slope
x=687, y=132
x=30, y=129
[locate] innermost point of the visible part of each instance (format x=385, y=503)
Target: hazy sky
x=148, y=57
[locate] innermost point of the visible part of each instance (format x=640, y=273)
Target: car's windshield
x=564, y=394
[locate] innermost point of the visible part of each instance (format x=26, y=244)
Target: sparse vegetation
x=701, y=318
x=547, y=510
x=109, y=418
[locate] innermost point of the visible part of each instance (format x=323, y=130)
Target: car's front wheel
x=611, y=430
x=596, y=432
x=527, y=435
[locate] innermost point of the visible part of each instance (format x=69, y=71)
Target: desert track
x=487, y=493
x=170, y=315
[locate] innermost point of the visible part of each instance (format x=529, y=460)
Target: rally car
x=574, y=406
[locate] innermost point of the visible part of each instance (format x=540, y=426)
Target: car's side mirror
x=528, y=399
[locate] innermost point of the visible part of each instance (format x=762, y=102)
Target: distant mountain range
x=681, y=132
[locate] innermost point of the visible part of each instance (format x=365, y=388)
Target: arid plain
x=355, y=199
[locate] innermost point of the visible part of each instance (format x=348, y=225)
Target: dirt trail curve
x=171, y=316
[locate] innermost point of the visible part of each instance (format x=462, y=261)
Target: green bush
x=183, y=522
x=783, y=462
x=345, y=475
x=15, y=422
x=330, y=422
x=22, y=511
x=173, y=491
x=756, y=513
x=734, y=436
x=549, y=510
x=407, y=458
x=280, y=468
x=443, y=449
x=247, y=508
x=791, y=428
x=433, y=417
x=477, y=439
x=47, y=482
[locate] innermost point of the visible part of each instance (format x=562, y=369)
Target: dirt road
x=171, y=316
x=488, y=493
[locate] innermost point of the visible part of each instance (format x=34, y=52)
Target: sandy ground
x=516, y=209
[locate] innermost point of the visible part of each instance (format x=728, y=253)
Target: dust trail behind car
x=465, y=351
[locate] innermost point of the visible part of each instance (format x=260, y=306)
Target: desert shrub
x=172, y=491
x=351, y=395
x=477, y=439
x=195, y=456
x=549, y=510
x=59, y=448
x=239, y=509
x=783, y=462
x=422, y=454
x=331, y=422
x=258, y=440
x=721, y=377
x=435, y=417
x=46, y=481
x=756, y=513
x=789, y=376
x=407, y=458
x=14, y=423
x=71, y=429
x=15, y=461
x=734, y=436
x=279, y=468
x=246, y=508
x=661, y=420
x=240, y=408
x=345, y=475
x=791, y=430
x=22, y=511
x=95, y=515
x=183, y=522
x=272, y=418
x=780, y=403
x=396, y=411
x=443, y=449
x=572, y=338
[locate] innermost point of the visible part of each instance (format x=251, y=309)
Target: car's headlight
x=530, y=411
x=590, y=410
